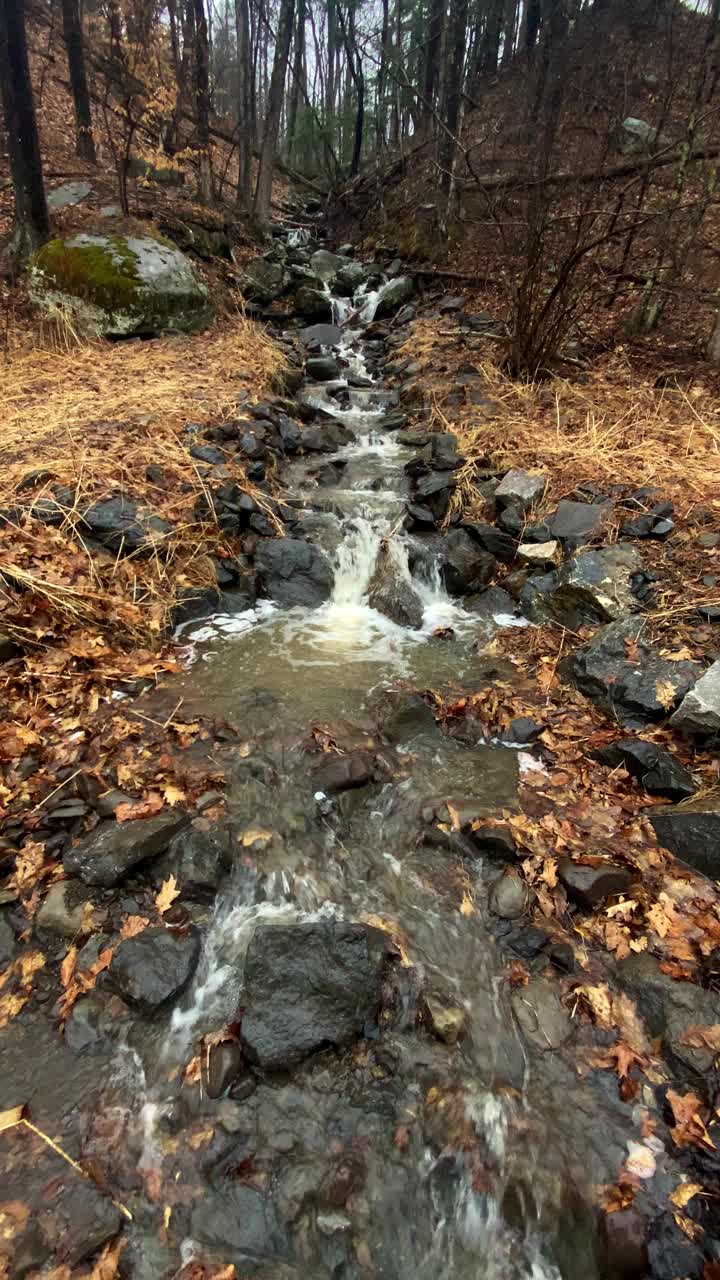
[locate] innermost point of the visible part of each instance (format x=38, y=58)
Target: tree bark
x=73, y=35
x=244, y=103
x=202, y=101
x=263, y=190
x=713, y=346
x=436, y=22
x=298, y=62
x=453, y=91
x=31, y=226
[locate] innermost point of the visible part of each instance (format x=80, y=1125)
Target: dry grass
x=611, y=429
x=94, y=416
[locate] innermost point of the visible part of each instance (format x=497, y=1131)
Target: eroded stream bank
x=374, y=1033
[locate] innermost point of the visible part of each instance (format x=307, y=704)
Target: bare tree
x=246, y=126
x=73, y=35
x=31, y=226
x=263, y=190
x=202, y=101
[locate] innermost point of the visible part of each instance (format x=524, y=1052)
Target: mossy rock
x=118, y=286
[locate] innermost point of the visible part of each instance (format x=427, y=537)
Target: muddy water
x=478, y=1161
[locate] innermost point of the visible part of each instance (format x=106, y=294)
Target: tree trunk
x=490, y=47
x=509, y=29
x=73, y=35
x=380, y=135
x=31, y=226
x=436, y=22
x=713, y=346
x=453, y=91
x=244, y=103
x=174, y=38
x=263, y=190
x=298, y=62
x=202, y=101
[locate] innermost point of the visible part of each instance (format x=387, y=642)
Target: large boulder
x=394, y=294
x=314, y=304
x=634, y=137
x=618, y=671
x=154, y=966
x=691, y=831
x=672, y=1010
x=293, y=572
x=123, y=526
x=658, y=772
x=239, y=1223
x=594, y=586
x=114, y=849
x=699, y=711
x=325, y=265
x=465, y=565
x=308, y=986
x=263, y=281
x=391, y=592
x=117, y=286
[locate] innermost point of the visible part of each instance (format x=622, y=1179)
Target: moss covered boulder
x=114, y=286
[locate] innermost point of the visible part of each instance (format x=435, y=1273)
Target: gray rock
x=538, y=556
x=122, y=526
x=322, y=368
x=7, y=942
x=465, y=565
x=633, y=137
x=342, y=773
x=594, y=586
x=114, y=849
x=324, y=335
x=293, y=572
x=499, y=544
x=307, y=986
x=223, y=1066
x=349, y=278
x=69, y=194
x=576, y=523
x=326, y=265
x=62, y=910
x=410, y=718
x=699, y=711
x=691, y=831
x=509, y=896
x=110, y=211
x=263, y=281
x=658, y=772
x=544, y=1021
x=115, y=286
x=199, y=857
x=521, y=489
x=392, y=594
x=239, y=1225
x=313, y=303
x=154, y=966
x=394, y=294
x=591, y=886
x=669, y=1009
x=635, y=691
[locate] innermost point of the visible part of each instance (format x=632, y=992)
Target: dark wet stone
x=692, y=832
x=512, y=520
x=444, y=1017
x=441, y=453
x=523, y=730
x=114, y=849
x=206, y=453
x=625, y=686
x=647, y=526
x=658, y=772
x=154, y=966
x=699, y=712
x=293, y=572
x=562, y=956
x=84, y=1029
x=670, y=1253
x=193, y=603
x=339, y=773
x=240, y=1225
x=576, y=523
x=624, y=1237
x=91, y=1220
x=465, y=565
x=146, y=1256
x=594, y=586
x=492, y=603
x=669, y=1009
x=410, y=717
x=7, y=942
x=526, y=942
x=391, y=592
x=313, y=304
x=495, y=842
x=591, y=886
x=325, y=335
x=308, y=986
x=509, y=896
x=322, y=368
x=199, y=857
x=62, y=910
x=540, y=1015
x=108, y=802
x=490, y=538
x=537, y=532
x=122, y=526
x=223, y=1066
x=520, y=489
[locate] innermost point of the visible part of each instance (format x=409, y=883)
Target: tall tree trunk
x=202, y=101
x=297, y=75
x=244, y=103
x=358, y=79
x=509, y=31
x=332, y=59
x=73, y=35
x=380, y=135
x=713, y=346
x=453, y=91
x=174, y=38
x=263, y=190
x=31, y=227
x=398, y=58
x=490, y=45
x=433, y=51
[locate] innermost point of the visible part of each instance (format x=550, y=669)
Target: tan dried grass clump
x=94, y=416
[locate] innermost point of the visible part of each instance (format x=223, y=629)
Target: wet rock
x=490, y=538
x=322, y=368
x=199, y=858
x=520, y=489
x=692, y=832
x=444, y=1018
x=147, y=1257
x=62, y=911
x=308, y=986
x=433, y=492
x=659, y=772
x=699, y=711
x=669, y=1010
x=154, y=966
x=540, y=1014
x=293, y=572
x=620, y=673
x=594, y=586
x=523, y=730
x=394, y=294
x=411, y=718
x=342, y=773
x=193, y=603
x=465, y=565
x=576, y=523
x=670, y=1253
x=526, y=941
x=324, y=335
x=326, y=265
x=122, y=526
x=90, y=1220
x=349, y=278
x=391, y=592
x=440, y=453
x=114, y=849
x=562, y=955
x=84, y=1030
x=7, y=942
x=263, y=281
x=512, y=520
x=509, y=896
x=313, y=304
x=492, y=603
x=624, y=1236
x=223, y=1066
x=590, y=885
x=495, y=842
x=539, y=557
x=240, y=1225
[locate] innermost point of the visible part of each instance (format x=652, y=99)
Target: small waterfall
x=355, y=562
x=298, y=237
x=342, y=309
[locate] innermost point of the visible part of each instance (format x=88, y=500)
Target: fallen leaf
x=666, y=694
x=684, y=1193
x=253, y=834
x=133, y=925
x=8, y=1119
x=67, y=968
x=640, y=1161
x=106, y=1267
x=173, y=795
x=689, y=1126
x=140, y=808
x=703, y=1037
x=466, y=906
x=167, y=895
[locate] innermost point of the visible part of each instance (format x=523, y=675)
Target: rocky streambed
x=349, y=1017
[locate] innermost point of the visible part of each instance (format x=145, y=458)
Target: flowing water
x=495, y=1185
